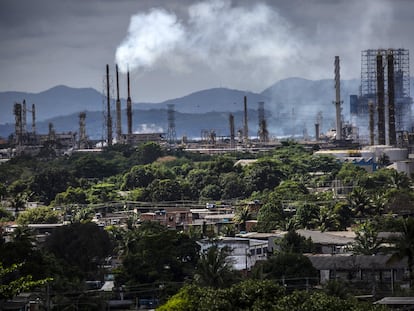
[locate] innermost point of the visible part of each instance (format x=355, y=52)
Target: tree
x=152, y=253
x=264, y=174
x=138, y=176
x=351, y=174
x=214, y=268
x=83, y=246
x=400, y=180
x=12, y=284
x=242, y=214
x=165, y=190
x=293, y=242
x=232, y=186
x=149, y=152
x=72, y=195
x=93, y=166
x=39, y=215
x=5, y=215
x=211, y=192
x=360, y=202
x=285, y=266
x=45, y=185
x=320, y=301
x=306, y=214
x=366, y=240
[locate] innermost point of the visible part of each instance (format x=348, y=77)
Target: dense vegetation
x=291, y=186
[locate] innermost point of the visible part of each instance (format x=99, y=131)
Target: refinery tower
x=383, y=107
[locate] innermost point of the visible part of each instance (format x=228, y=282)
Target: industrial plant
x=380, y=120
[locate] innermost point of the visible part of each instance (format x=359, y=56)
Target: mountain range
x=291, y=107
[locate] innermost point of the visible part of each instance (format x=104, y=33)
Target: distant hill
x=291, y=108
x=57, y=101
x=215, y=99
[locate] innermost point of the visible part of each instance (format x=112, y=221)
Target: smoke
x=145, y=128
x=214, y=33
x=253, y=45
x=150, y=37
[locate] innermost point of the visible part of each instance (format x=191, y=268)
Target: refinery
x=380, y=121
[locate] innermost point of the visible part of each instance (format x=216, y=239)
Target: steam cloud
x=215, y=33
x=148, y=128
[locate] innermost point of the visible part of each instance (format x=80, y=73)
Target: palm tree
x=242, y=215
x=399, y=180
x=366, y=239
x=214, y=268
x=360, y=202
x=404, y=247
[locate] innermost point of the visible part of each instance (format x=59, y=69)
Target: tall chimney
x=24, y=119
x=18, y=123
x=232, y=133
x=118, y=109
x=380, y=99
x=371, y=123
x=33, y=119
x=108, y=109
x=317, y=131
x=338, y=99
x=82, y=130
x=129, y=108
x=245, y=124
x=391, y=100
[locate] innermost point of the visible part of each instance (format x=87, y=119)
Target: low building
x=244, y=252
x=377, y=271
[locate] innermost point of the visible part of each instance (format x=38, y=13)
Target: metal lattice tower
x=401, y=71
x=399, y=89
x=171, y=134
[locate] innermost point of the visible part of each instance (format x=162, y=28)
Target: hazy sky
x=175, y=47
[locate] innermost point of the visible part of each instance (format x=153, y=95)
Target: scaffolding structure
x=391, y=99
x=369, y=71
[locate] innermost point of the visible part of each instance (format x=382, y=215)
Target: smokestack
x=338, y=99
x=24, y=119
x=82, y=130
x=371, y=123
x=263, y=133
x=317, y=131
x=33, y=119
x=232, y=133
x=108, y=109
x=18, y=123
x=129, y=108
x=118, y=109
x=52, y=136
x=245, y=124
x=391, y=100
x=380, y=99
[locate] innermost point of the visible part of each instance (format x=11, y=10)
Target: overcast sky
x=175, y=47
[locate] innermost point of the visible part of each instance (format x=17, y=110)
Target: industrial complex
x=380, y=120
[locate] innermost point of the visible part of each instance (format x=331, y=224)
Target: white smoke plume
x=148, y=128
x=215, y=33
